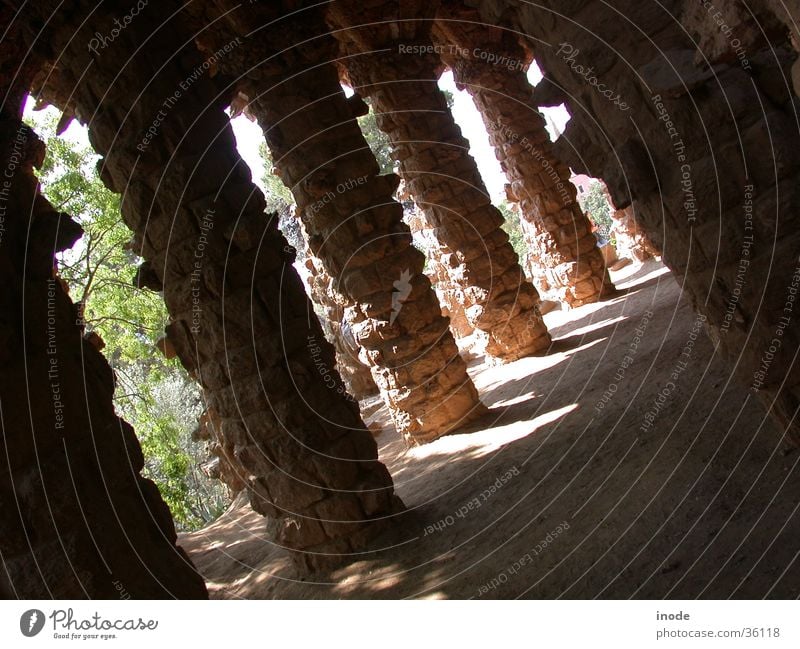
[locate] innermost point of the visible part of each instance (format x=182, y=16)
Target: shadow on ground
x=580, y=482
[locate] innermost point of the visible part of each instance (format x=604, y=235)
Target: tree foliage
x=152, y=393
x=595, y=204
x=378, y=141
x=278, y=196
x=513, y=229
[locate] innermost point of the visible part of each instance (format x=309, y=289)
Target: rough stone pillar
x=632, y=242
x=451, y=296
x=79, y=521
x=331, y=307
x=535, y=268
x=558, y=230
x=354, y=225
x=222, y=464
x=354, y=372
x=445, y=183
x=241, y=322
x=442, y=177
x=701, y=132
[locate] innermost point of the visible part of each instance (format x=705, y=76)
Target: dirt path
x=688, y=494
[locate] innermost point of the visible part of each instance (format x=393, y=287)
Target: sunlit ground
x=604, y=509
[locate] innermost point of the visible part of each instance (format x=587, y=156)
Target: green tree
x=513, y=228
x=152, y=393
x=99, y=268
x=595, y=204
x=378, y=141
x=278, y=197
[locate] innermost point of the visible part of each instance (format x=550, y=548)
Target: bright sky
x=249, y=136
x=75, y=133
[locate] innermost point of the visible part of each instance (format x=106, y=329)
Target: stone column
x=558, y=230
x=354, y=225
x=714, y=178
x=451, y=296
x=442, y=177
x=632, y=242
x=241, y=322
x=354, y=372
x=221, y=464
x=79, y=520
x=330, y=305
x=535, y=268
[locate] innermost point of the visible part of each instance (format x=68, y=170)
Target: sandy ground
x=554, y=497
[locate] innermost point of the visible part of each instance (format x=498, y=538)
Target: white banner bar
x=390, y=624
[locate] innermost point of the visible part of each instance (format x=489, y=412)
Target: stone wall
x=79, y=520
x=693, y=118
x=558, y=232
x=348, y=209
x=241, y=321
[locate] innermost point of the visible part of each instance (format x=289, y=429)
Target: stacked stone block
x=631, y=241
x=557, y=231
x=79, y=520
x=354, y=372
x=451, y=296
x=354, y=225
x=434, y=161
x=241, y=321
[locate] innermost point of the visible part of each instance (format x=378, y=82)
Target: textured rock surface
x=78, y=518
x=557, y=231
x=451, y=295
x=631, y=240
x=222, y=464
x=353, y=223
x=440, y=174
x=695, y=126
x=241, y=322
x=354, y=372
x=711, y=160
